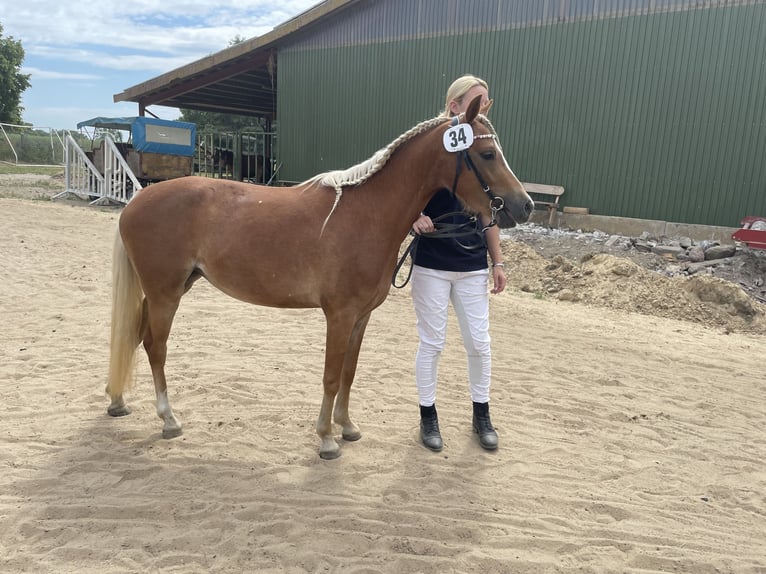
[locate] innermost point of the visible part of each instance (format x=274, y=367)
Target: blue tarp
x=151, y=134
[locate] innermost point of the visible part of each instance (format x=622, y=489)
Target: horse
x=330, y=242
x=223, y=161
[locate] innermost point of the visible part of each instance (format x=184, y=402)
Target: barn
x=649, y=109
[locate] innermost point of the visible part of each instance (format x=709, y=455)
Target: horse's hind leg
x=351, y=432
x=155, y=343
x=117, y=407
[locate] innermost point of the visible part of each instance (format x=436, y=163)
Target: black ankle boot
x=483, y=426
x=429, y=428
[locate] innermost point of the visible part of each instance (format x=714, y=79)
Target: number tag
x=458, y=137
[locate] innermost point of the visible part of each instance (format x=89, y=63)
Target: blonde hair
x=458, y=89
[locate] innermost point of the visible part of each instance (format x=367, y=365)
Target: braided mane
x=361, y=172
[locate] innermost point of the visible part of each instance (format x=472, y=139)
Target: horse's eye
x=488, y=155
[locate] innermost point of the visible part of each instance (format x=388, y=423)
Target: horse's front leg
x=340, y=330
x=329, y=448
x=351, y=432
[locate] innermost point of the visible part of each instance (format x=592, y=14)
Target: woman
x=455, y=270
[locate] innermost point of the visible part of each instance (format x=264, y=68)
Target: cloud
x=192, y=28
x=80, y=53
x=38, y=74
x=104, y=58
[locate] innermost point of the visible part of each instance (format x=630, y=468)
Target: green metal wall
x=657, y=116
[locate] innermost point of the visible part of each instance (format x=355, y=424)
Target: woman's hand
x=423, y=224
x=498, y=280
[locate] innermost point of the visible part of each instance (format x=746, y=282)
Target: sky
x=79, y=54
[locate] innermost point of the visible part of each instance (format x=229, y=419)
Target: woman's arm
x=496, y=256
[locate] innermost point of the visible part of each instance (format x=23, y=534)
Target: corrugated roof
x=241, y=79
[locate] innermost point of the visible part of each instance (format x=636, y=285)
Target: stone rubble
x=682, y=256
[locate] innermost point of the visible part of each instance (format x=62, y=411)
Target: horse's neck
x=411, y=177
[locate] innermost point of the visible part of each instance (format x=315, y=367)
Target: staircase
x=115, y=186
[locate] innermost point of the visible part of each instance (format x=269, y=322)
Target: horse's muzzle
x=514, y=213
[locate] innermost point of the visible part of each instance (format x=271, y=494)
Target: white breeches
x=432, y=291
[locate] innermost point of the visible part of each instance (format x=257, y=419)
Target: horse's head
x=486, y=184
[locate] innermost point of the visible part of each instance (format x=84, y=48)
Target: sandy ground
x=629, y=442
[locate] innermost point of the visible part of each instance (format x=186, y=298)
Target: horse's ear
x=473, y=109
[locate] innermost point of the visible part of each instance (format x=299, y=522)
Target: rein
x=442, y=231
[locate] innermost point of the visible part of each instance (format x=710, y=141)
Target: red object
x=754, y=238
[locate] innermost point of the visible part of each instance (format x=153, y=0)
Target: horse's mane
x=361, y=172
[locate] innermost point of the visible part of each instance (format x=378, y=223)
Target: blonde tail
x=127, y=315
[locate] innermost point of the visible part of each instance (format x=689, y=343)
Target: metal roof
x=241, y=79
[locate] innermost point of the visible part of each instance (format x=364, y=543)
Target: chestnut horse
x=311, y=245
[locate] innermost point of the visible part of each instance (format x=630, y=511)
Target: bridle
x=444, y=230
x=496, y=203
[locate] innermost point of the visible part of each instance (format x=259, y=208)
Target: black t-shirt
x=464, y=253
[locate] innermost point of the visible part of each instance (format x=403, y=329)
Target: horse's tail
x=127, y=320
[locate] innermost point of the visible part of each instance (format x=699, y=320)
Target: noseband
x=496, y=203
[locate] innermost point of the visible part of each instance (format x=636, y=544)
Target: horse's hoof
x=352, y=435
x=172, y=432
x=329, y=455
x=329, y=449
x=120, y=411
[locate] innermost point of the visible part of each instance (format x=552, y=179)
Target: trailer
x=752, y=233
x=155, y=149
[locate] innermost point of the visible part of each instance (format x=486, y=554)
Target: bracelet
x=498, y=265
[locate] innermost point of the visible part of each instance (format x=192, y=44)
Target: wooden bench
x=550, y=195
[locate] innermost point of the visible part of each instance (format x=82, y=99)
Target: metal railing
x=120, y=183
x=31, y=145
x=241, y=156
x=81, y=177
x=117, y=184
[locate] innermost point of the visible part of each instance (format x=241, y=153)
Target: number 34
x=458, y=138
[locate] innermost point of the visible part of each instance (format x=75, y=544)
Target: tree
x=220, y=122
x=12, y=81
